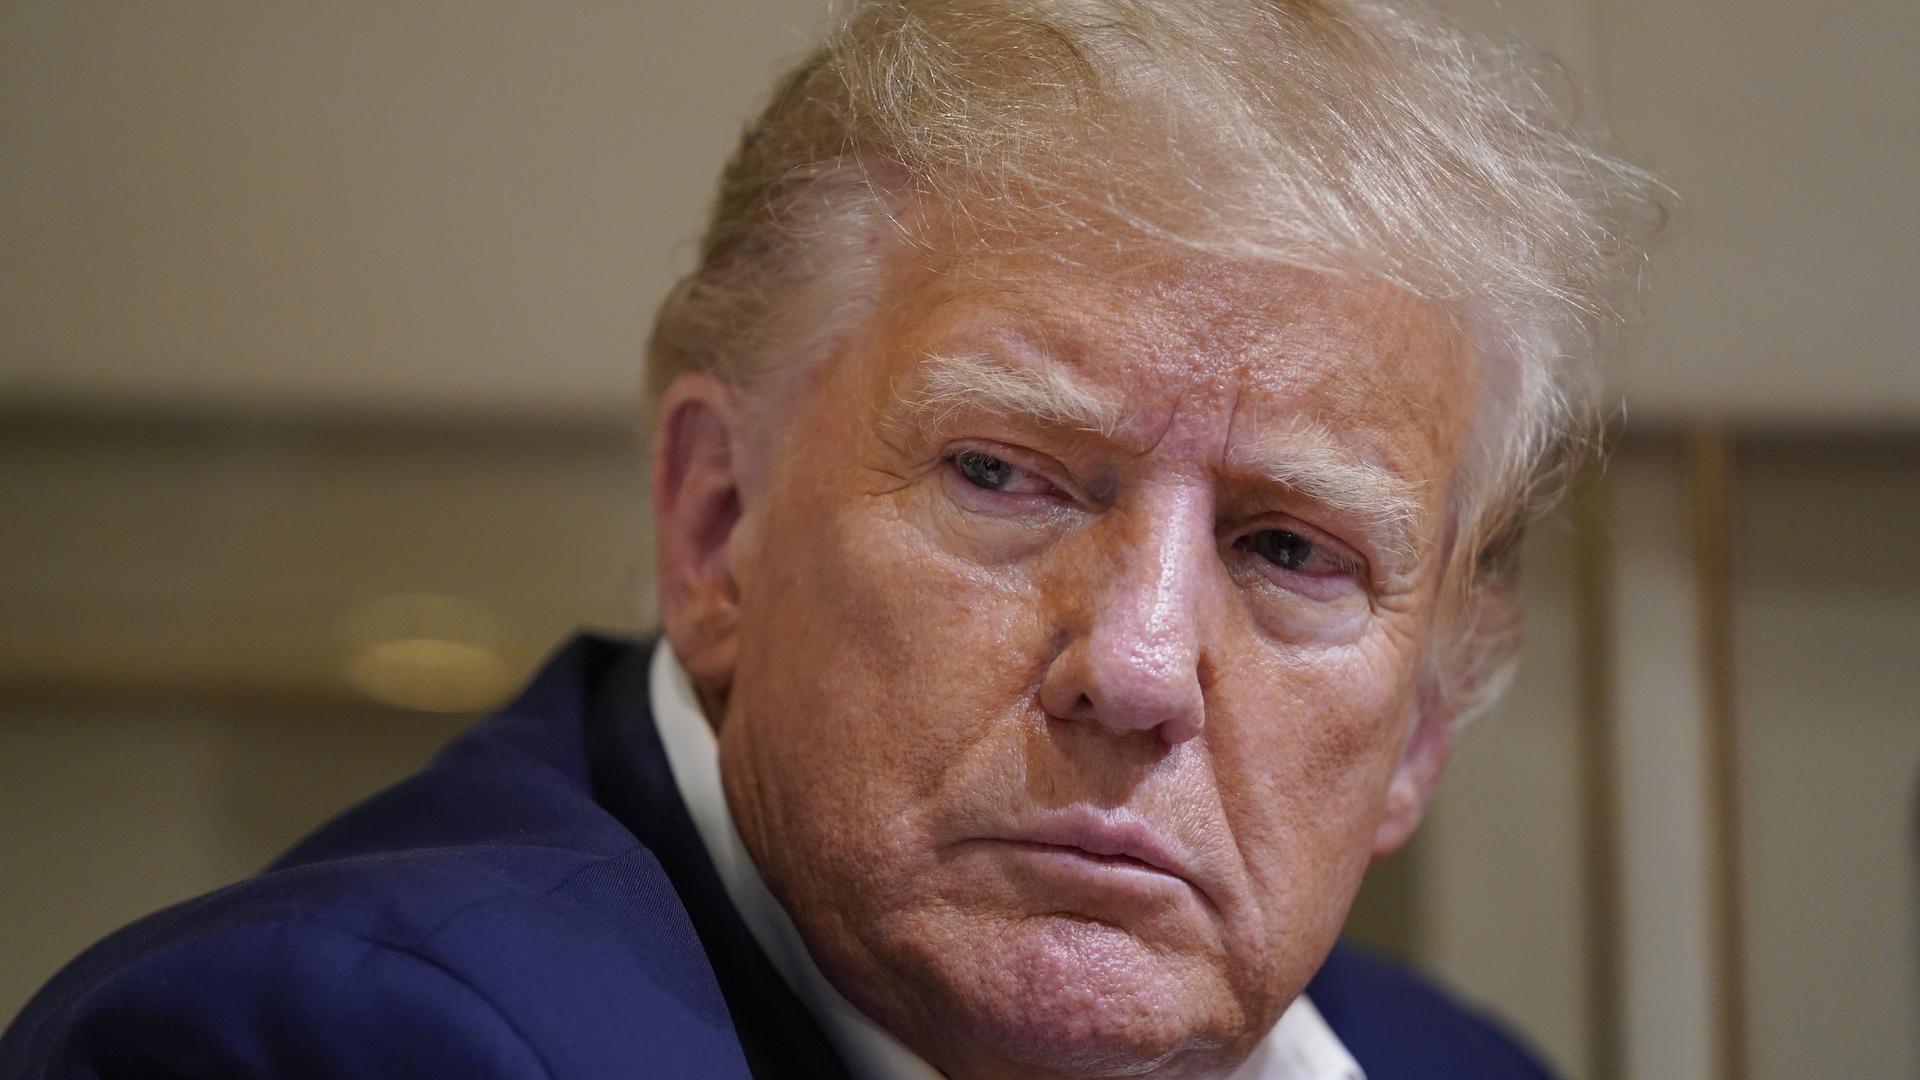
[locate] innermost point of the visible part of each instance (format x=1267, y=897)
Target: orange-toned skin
x=909, y=670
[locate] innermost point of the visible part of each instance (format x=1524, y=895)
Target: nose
x=1134, y=657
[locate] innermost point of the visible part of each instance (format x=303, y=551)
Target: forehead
x=1273, y=346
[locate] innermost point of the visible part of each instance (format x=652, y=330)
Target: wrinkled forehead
x=1278, y=346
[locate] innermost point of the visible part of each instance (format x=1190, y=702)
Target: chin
x=1066, y=994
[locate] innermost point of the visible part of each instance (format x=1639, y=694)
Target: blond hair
x=1348, y=136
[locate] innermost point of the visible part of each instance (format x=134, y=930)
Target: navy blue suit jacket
x=533, y=903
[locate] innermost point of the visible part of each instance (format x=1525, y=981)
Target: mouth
x=1115, y=860
x=1109, y=848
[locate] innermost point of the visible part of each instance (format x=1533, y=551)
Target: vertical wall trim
x=1710, y=453
x=1598, y=773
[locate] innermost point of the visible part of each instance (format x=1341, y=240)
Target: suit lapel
x=632, y=780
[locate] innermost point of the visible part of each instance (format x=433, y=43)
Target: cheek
x=874, y=664
x=1304, y=745
x=908, y=619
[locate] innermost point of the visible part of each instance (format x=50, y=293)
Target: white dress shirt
x=1300, y=1047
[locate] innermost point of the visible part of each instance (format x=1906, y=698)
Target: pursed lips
x=1107, y=836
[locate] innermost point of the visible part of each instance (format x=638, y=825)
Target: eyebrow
x=945, y=385
x=1307, y=459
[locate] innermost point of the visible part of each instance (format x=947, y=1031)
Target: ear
x=1415, y=776
x=696, y=511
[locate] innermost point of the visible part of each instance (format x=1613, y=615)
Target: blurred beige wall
x=440, y=207
x=1829, y=699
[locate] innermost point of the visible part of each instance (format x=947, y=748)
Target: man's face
x=1079, y=618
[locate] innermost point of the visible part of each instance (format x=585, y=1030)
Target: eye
x=984, y=470
x=1291, y=551
x=992, y=481
x=1280, y=547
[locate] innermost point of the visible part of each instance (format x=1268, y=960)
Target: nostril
x=1082, y=709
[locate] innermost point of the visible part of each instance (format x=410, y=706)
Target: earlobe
x=1414, y=781
x=697, y=510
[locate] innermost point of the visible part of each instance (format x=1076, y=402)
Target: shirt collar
x=1300, y=1047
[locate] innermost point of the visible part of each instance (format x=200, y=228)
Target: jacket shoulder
x=483, y=917
x=449, y=963
x=227, y=1002
x=1399, y=1026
